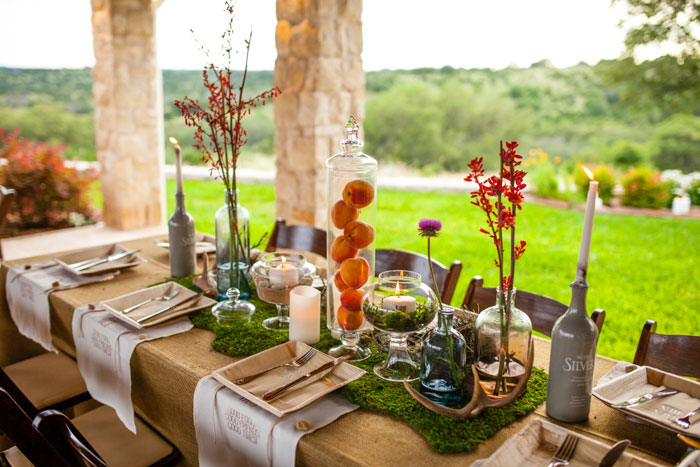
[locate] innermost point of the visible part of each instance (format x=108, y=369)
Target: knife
x=106, y=260
x=331, y=364
x=645, y=398
x=193, y=298
x=614, y=453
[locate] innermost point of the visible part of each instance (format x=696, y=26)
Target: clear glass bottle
x=503, y=343
x=574, y=342
x=443, y=362
x=352, y=210
x=231, y=250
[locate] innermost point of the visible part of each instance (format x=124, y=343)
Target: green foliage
x=677, y=144
x=644, y=189
x=694, y=192
x=49, y=194
x=626, y=154
x=606, y=182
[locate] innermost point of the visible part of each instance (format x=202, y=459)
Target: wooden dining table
x=165, y=372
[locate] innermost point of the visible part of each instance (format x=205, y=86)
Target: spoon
x=172, y=293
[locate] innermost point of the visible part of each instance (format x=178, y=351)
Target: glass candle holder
x=399, y=303
x=352, y=208
x=275, y=275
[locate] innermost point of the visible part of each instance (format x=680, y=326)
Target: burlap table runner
x=165, y=373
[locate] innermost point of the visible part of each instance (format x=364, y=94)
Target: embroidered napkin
x=228, y=426
x=28, y=292
x=104, y=345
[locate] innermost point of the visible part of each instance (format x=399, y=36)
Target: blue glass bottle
x=442, y=362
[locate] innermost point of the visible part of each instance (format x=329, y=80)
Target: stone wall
x=319, y=70
x=128, y=97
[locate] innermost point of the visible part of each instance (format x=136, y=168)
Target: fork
x=565, y=451
x=296, y=363
x=684, y=421
x=169, y=295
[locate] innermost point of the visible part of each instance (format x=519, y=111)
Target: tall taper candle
x=584, y=251
x=178, y=164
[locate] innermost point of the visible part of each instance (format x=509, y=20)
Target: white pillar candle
x=584, y=251
x=305, y=314
x=178, y=164
x=285, y=274
x=403, y=303
x=681, y=206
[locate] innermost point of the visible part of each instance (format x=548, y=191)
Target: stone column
x=128, y=97
x=319, y=70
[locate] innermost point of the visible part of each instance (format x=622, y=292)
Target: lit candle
x=285, y=274
x=681, y=205
x=178, y=164
x=399, y=302
x=584, y=251
x=305, y=314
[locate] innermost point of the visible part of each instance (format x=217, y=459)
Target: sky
x=398, y=34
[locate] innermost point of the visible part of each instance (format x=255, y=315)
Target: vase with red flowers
x=503, y=331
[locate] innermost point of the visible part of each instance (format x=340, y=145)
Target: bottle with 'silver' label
x=574, y=341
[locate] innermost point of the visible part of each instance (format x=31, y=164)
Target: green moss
x=445, y=435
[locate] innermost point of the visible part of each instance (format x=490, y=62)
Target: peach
x=342, y=214
x=349, y=320
x=352, y=299
x=342, y=250
x=338, y=281
x=354, y=272
x=358, y=194
x=359, y=234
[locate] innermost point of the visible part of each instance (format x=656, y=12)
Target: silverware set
x=187, y=301
x=299, y=362
x=87, y=264
x=169, y=295
x=645, y=398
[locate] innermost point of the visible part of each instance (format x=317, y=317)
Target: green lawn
x=640, y=268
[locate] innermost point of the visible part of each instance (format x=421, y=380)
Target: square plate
x=660, y=412
x=116, y=305
x=538, y=441
x=96, y=253
x=205, y=243
x=296, y=397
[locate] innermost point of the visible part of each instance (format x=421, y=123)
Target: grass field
x=640, y=268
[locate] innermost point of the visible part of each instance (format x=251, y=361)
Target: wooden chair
x=297, y=237
x=386, y=260
x=74, y=439
x=542, y=311
x=7, y=197
x=673, y=353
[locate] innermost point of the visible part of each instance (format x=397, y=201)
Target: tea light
x=285, y=274
x=404, y=303
x=305, y=314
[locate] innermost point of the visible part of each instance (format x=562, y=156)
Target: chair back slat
x=7, y=197
x=678, y=354
x=542, y=311
x=386, y=260
x=297, y=237
x=66, y=438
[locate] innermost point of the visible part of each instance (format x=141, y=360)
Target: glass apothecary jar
x=352, y=210
x=275, y=275
x=232, y=253
x=399, y=303
x=504, y=335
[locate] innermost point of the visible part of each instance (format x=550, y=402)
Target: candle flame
x=398, y=289
x=587, y=171
x=172, y=140
x=284, y=259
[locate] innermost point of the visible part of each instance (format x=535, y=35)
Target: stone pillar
x=319, y=70
x=128, y=95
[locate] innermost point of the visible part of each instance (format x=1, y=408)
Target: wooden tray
x=116, y=305
x=538, y=441
x=296, y=397
x=96, y=253
x=660, y=412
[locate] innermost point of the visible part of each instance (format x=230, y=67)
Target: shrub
x=605, y=177
x=677, y=144
x=49, y=194
x=694, y=192
x=645, y=189
x=626, y=154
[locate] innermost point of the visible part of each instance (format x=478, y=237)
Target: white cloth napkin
x=232, y=430
x=104, y=345
x=28, y=290
x=620, y=369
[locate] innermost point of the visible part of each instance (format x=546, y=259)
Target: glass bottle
x=503, y=343
x=232, y=256
x=183, y=255
x=442, y=362
x=574, y=342
x=352, y=209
